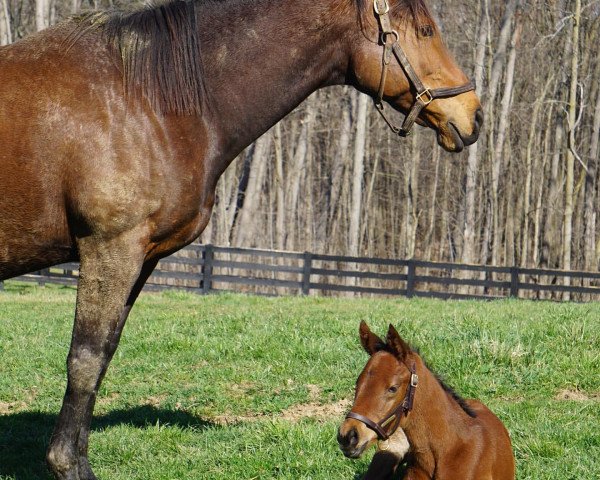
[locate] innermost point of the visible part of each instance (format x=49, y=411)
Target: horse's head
x=426, y=84
x=384, y=392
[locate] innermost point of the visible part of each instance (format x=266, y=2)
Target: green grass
x=198, y=385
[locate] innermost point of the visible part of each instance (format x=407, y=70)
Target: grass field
x=236, y=387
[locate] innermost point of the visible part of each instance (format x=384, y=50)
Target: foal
x=448, y=437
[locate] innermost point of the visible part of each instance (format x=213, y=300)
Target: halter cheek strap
x=424, y=96
x=382, y=429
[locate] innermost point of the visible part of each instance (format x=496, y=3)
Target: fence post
x=306, y=273
x=42, y=280
x=208, y=256
x=514, y=282
x=410, y=279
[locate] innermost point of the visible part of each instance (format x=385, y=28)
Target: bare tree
x=571, y=145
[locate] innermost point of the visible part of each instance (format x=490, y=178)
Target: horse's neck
x=262, y=59
x=435, y=423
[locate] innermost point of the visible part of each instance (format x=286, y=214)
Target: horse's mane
x=158, y=48
x=415, y=12
x=462, y=403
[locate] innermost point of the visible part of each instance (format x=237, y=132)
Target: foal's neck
x=436, y=423
x=262, y=59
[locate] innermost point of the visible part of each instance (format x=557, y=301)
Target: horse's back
x=51, y=124
x=79, y=158
x=33, y=227
x=498, y=448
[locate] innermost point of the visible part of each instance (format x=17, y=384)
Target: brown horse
x=115, y=127
x=401, y=403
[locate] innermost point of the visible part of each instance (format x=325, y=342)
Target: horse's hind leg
x=109, y=272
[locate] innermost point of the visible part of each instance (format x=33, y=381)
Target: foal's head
x=458, y=118
x=384, y=392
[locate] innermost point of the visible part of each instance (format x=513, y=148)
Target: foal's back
x=498, y=457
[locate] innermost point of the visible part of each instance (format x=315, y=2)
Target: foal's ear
x=370, y=342
x=398, y=346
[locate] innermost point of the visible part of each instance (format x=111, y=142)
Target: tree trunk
x=570, y=156
x=358, y=170
x=502, y=130
x=534, y=127
x=247, y=222
x=541, y=190
x=591, y=261
x=469, y=233
x=280, y=230
x=411, y=190
x=429, y=240
x=341, y=160
x=42, y=14
x=5, y=26
x=297, y=172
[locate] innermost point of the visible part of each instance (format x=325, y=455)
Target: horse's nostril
x=350, y=440
x=479, y=118
x=353, y=437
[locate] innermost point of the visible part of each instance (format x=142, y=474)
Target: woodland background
x=330, y=178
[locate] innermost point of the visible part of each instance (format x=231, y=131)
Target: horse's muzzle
x=348, y=443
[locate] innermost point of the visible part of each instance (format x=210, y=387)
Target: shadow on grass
x=24, y=436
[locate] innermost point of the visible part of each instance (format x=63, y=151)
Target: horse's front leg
x=85, y=471
x=109, y=275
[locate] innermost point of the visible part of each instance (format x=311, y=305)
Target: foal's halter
x=424, y=96
x=382, y=428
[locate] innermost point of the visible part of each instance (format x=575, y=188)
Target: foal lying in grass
x=415, y=416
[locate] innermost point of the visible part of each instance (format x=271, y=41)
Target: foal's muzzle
x=348, y=443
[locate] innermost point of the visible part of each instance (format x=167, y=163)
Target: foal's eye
x=393, y=389
x=426, y=31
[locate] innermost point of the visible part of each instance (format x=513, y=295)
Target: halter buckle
x=414, y=380
x=376, y=7
x=425, y=97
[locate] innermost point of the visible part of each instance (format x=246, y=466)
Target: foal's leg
x=85, y=471
x=109, y=272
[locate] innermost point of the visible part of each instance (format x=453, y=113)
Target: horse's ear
x=370, y=342
x=398, y=346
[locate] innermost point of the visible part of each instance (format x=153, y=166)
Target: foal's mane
x=462, y=403
x=158, y=49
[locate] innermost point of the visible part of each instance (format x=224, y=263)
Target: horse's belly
x=34, y=233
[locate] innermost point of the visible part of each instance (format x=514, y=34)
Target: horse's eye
x=393, y=389
x=426, y=31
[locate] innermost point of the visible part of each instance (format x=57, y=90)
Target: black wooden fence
x=208, y=268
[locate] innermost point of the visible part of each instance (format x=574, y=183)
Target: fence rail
x=208, y=268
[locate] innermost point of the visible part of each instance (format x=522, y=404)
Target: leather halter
x=424, y=96
x=393, y=419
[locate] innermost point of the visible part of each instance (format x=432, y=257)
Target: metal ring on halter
x=387, y=7
x=391, y=32
x=383, y=445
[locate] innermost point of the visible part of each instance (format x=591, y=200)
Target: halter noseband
x=391, y=46
x=393, y=419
